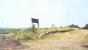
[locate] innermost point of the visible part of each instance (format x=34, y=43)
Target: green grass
x=26, y=35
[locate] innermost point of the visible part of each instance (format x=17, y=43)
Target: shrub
x=73, y=26
x=25, y=35
x=85, y=27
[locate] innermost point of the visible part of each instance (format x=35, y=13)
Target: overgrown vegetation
x=85, y=27
x=73, y=26
x=28, y=34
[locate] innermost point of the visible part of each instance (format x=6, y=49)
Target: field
x=71, y=40
x=62, y=39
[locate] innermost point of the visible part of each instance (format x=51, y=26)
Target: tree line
x=76, y=26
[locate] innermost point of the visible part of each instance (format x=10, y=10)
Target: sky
x=18, y=13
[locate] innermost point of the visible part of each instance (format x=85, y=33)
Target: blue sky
x=17, y=13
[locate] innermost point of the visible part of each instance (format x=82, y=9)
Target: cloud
x=15, y=22
x=59, y=8
x=78, y=1
x=19, y=13
x=23, y=6
x=41, y=2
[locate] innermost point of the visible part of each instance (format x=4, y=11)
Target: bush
x=73, y=26
x=85, y=27
x=25, y=35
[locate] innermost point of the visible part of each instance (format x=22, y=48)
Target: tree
x=73, y=26
x=85, y=27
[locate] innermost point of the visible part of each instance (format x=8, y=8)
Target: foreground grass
x=73, y=40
